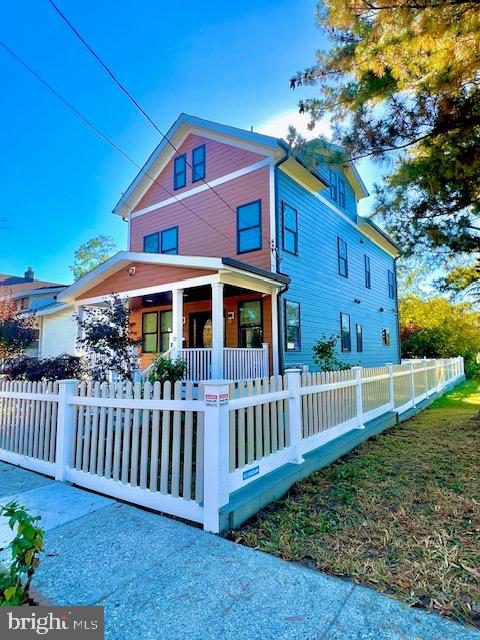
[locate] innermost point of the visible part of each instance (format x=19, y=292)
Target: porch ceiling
x=132, y=274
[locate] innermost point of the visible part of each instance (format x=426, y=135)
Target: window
x=151, y=243
x=250, y=326
x=341, y=191
x=198, y=163
x=345, y=337
x=342, y=258
x=359, y=332
x=165, y=330
x=391, y=285
x=385, y=337
x=180, y=172
x=337, y=188
x=290, y=229
x=24, y=304
x=333, y=185
x=368, y=276
x=292, y=326
x=170, y=240
x=249, y=227
x=150, y=332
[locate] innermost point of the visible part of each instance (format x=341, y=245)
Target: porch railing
x=238, y=364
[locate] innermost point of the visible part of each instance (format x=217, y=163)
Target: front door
x=200, y=330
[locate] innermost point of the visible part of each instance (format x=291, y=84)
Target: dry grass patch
x=401, y=513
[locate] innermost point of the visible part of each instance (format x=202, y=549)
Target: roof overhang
x=373, y=231
x=38, y=292
x=53, y=308
x=174, y=137
x=122, y=259
x=350, y=170
x=294, y=168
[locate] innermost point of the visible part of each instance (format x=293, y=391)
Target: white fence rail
x=161, y=448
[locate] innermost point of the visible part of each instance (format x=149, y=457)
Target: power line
x=96, y=130
x=141, y=109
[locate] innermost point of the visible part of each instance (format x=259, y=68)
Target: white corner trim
x=273, y=223
x=203, y=187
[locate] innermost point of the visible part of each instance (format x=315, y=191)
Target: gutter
x=399, y=347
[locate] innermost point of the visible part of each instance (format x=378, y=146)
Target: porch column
x=217, y=330
x=275, y=336
x=177, y=320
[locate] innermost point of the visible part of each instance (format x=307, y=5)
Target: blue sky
x=228, y=62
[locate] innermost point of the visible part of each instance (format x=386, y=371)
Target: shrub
x=165, y=370
x=17, y=332
x=108, y=332
x=324, y=354
x=26, y=545
x=35, y=369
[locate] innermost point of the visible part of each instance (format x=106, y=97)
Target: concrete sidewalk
x=158, y=578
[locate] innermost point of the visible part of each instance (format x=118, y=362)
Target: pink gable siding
x=221, y=159
x=198, y=238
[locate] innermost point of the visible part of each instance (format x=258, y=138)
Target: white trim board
x=203, y=187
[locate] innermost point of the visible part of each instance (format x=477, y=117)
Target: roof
x=372, y=230
x=53, y=307
x=186, y=123
x=125, y=258
x=11, y=285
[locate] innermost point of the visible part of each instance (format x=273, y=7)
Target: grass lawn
x=401, y=513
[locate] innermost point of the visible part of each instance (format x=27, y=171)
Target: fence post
x=265, y=366
x=359, y=396
x=425, y=376
x=391, y=388
x=412, y=384
x=216, y=452
x=295, y=414
x=64, y=436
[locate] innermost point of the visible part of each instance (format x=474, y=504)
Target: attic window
x=180, y=172
x=337, y=188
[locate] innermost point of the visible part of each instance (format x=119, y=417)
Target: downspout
x=399, y=346
x=284, y=289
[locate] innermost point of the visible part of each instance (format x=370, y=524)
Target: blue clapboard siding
x=322, y=292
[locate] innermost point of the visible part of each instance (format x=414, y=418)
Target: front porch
x=232, y=341
x=217, y=314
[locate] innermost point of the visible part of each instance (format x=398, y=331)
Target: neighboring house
x=242, y=275
x=31, y=296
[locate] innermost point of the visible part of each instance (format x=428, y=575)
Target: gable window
x=170, y=240
x=341, y=191
x=151, y=243
x=359, y=333
x=337, y=188
x=345, y=337
x=333, y=185
x=198, y=163
x=391, y=285
x=150, y=332
x=385, y=337
x=180, y=172
x=368, y=275
x=290, y=229
x=292, y=326
x=250, y=326
x=249, y=227
x=342, y=258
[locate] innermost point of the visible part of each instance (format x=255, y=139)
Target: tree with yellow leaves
x=402, y=78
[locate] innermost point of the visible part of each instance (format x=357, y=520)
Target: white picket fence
x=184, y=449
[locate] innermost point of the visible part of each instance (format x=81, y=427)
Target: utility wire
x=142, y=110
x=96, y=130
